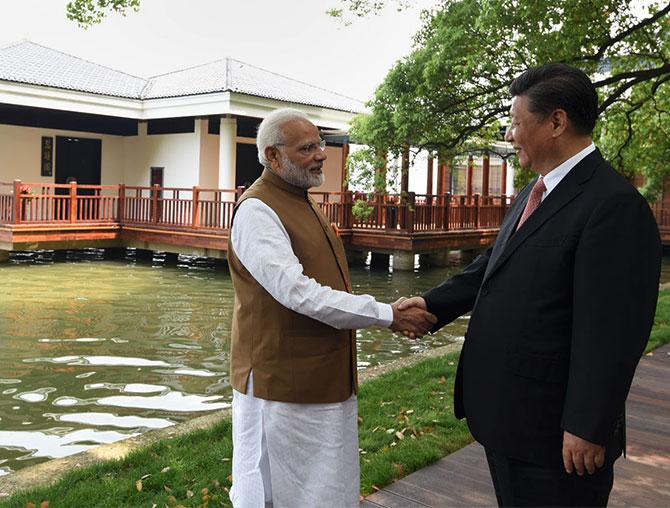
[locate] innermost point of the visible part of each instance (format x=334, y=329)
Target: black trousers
x=519, y=483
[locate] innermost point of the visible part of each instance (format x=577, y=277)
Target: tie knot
x=539, y=186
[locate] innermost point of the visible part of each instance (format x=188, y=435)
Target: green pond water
x=94, y=351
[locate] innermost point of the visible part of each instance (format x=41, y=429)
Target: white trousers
x=289, y=455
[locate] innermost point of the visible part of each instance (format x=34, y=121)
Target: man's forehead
x=517, y=104
x=300, y=128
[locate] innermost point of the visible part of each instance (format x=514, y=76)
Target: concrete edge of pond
x=53, y=470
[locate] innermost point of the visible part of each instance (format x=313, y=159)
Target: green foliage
x=91, y=12
x=451, y=92
x=361, y=8
x=362, y=210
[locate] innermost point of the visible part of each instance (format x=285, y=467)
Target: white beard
x=299, y=177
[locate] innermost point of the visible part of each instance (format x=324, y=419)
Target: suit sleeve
x=457, y=295
x=615, y=288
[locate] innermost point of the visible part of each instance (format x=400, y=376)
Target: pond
x=94, y=351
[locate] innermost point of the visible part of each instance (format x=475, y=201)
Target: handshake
x=411, y=318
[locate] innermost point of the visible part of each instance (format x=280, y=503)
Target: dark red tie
x=534, y=200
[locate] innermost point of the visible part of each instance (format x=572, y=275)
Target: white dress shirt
x=263, y=246
x=554, y=177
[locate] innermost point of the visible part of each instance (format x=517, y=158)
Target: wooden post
x=73, y=202
x=486, y=171
x=347, y=210
x=477, y=211
x=404, y=171
x=16, y=212
x=154, y=203
x=469, y=170
x=345, y=176
x=440, y=175
x=503, y=178
x=429, y=176
x=195, y=221
x=447, y=206
x=122, y=203
x=446, y=177
x=410, y=212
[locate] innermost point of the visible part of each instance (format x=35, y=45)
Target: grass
x=660, y=333
x=406, y=423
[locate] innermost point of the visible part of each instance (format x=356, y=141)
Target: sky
x=295, y=38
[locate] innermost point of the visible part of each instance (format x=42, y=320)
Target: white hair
x=270, y=130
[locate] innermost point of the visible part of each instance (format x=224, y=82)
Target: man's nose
x=508, y=134
x=320, y=155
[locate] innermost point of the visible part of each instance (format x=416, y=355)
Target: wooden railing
x=662, y=217
x=212, y=209
x=413, y=212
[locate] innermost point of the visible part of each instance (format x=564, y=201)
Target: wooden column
x=429, y=176
x=469, y=170
x=446, y=177
x=404, y=171
x=440, y=175
x=486, y=173
x=503, y=178
x=345, y=176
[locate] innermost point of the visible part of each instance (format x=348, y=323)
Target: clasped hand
x=411, y=317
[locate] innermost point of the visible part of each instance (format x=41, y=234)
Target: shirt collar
x=553, y=178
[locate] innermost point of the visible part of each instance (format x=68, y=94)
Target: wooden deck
x=643, y=479
x=36, y=215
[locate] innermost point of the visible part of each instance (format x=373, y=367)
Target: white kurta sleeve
x=263, y=246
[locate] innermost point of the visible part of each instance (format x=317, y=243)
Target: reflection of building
x=61, y=116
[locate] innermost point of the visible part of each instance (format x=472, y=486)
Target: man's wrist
x=385, y=314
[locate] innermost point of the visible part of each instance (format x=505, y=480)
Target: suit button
x=485, y=291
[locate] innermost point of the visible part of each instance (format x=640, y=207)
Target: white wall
x=179, y=154
x=21, y=147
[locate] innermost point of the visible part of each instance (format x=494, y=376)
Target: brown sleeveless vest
x=294, y=358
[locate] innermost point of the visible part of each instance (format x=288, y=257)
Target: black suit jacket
x=562, y=310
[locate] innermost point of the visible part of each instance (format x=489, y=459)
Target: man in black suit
x=562, y=306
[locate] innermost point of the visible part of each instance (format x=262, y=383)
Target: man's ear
x=273, y=157
x=559, y=122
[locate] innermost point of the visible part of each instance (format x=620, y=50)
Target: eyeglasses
x=309, y=148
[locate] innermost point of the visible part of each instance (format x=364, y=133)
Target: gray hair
x=270, y=130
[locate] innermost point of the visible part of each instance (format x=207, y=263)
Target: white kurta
x=295, y=455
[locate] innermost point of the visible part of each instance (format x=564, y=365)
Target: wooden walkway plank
x=641, y=480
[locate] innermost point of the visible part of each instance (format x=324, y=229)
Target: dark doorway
x=157, y=176
x=248, y=168
x=78, y=158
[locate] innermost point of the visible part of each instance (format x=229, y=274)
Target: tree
x=451, y=93
x=90, y=12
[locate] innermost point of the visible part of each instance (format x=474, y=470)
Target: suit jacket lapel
x=507, y=226
x=565, y=191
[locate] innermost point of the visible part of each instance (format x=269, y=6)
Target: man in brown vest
x=293, y=354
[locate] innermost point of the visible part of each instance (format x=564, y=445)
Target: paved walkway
x=643, y=479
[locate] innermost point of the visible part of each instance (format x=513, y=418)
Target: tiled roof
x=27, y=62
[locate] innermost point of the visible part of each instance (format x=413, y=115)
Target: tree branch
x=643, y=74
x=619, y=37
